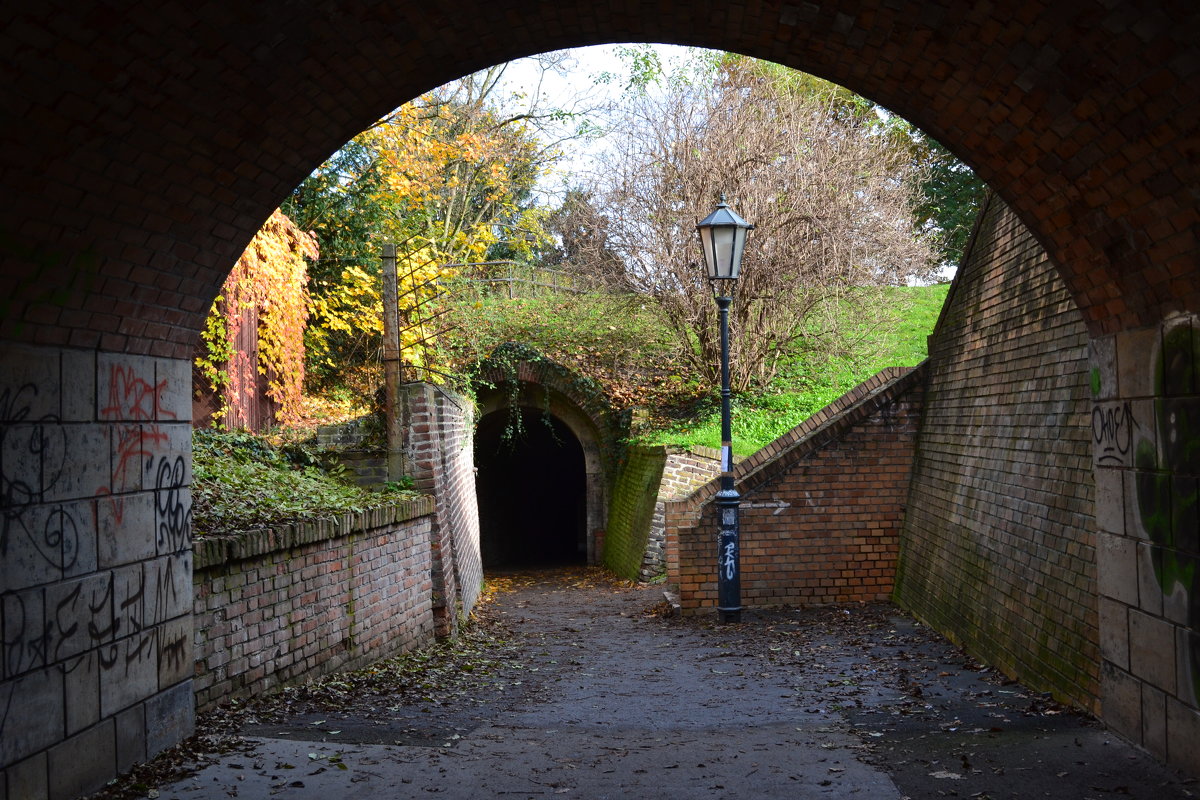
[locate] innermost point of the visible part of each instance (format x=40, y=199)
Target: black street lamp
x=723, y=240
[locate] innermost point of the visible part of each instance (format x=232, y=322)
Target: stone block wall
x=292, y=603
x=95, y=566
x=1145, y=431
x=821, y=507
x=368, y=470
x=367, y=467
x=998, y=550
x=685, y=470
x=440, y=458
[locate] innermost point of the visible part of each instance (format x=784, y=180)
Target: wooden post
x=392, y=374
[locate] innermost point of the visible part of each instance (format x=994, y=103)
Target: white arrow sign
x=778, y=505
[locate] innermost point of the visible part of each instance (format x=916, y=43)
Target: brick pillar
x=1146, y=440
x=95, y=565
x=441, y=463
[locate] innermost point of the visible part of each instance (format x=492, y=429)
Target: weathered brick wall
x=629, y=515
x=288, y=604
x=635, y=542
x=821, y=507
x=687, y=469
x=95, y=566
x=439, y=454
x=997, y=549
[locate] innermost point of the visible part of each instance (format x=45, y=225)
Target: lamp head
x=723, y=240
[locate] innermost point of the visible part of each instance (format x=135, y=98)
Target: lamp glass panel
x=722, y=249
x=739, y=247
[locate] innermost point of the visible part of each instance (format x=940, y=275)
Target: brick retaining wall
x=998, y=549
x=281, y=605
x=633, y=504
x=821, y=506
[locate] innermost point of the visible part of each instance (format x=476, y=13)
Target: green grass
x=808, y=383
x=242, y=482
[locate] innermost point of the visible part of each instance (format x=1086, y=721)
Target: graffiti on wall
x=49, y=616
x=1112, y=433
x=31, y=440
x=1166, y=481
x=101, y=611
x=136, y=405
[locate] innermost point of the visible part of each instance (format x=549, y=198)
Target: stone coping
x=220, y=550
x=712, y=453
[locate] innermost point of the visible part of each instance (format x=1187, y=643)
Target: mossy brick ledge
x=218, y=550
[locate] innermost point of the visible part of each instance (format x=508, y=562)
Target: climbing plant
x=268, y=283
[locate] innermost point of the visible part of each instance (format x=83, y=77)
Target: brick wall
x=95, y=566
x=440, y=458
x=687, y=469
x=288, y=604
x=997, y=549
x=143, y=164
x=821, y=507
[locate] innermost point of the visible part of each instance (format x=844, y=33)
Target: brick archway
x=546, y=389
x=145, y=143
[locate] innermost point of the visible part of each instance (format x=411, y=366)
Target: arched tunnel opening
x=532, y=490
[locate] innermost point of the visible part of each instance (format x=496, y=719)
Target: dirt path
x=577, y=686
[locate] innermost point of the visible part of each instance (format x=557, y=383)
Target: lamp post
x=723, y=240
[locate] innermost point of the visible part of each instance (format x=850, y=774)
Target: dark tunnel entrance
x=532, y=491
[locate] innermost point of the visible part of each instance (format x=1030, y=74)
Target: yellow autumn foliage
x=271, y=279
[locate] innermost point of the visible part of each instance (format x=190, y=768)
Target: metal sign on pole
x=392, y=367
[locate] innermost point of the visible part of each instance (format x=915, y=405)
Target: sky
x=581, y=84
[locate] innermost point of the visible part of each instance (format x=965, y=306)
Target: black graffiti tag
x=1112, y=432
x=174, y=512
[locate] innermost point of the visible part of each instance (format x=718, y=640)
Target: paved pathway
x=602, y=698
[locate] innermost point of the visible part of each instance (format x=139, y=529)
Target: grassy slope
x=757, y=421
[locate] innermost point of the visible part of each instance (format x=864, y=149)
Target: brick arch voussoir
x=147, y=143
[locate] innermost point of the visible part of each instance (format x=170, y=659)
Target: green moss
x=631, y=511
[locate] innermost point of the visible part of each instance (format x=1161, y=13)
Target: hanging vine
x=271, y=279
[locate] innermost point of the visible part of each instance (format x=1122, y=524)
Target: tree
x=950, y=195
x=449, y=177
x=833, y=205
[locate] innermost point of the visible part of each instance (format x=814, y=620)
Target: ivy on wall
x=269, y=284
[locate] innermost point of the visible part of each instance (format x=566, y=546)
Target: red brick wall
x=998, y=549
x=821, y=507
x=278, y=606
